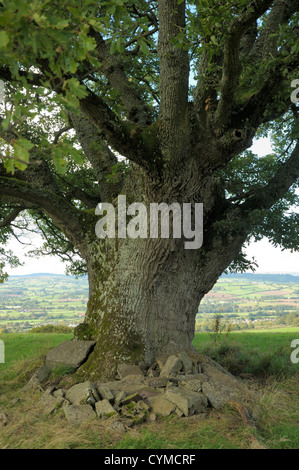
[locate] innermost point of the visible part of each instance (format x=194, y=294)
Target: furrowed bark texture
x=144, y=293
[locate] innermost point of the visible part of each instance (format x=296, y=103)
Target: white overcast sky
x=269, y=259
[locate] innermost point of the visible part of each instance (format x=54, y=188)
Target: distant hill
x=38, y=275
x=276, y=278
x=43, y=275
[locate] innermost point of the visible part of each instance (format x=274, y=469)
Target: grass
x=261, y=354
x=20, y=346
x=275, y=412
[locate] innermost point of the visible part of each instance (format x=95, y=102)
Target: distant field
x=27, y=301
x=252, y=302
x=243, y=301
x=289, y=329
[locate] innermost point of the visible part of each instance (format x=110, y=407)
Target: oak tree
x=159, y=101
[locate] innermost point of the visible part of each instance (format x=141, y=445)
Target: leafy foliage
x=58, y=61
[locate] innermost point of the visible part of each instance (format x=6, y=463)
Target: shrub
x=52, y=329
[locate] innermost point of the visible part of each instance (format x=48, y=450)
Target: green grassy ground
x=276, y=411
x=22, y=346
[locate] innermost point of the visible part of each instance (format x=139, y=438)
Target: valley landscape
x=243, y=301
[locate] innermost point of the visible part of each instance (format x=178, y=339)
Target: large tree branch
x=254, y=110
x=137, y=144
x=11, y=216
x=98, y=154
x=278, y=186
x=64, y=214
x=137, y=109
x=174, y=76
x=231, y=57
x=266, y=44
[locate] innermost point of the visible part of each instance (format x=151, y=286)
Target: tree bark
x=144, y=293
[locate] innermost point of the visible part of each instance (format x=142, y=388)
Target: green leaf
x=120, y=46
x=6, y=121
x=113, y=47
x=4, y=39
x=144, y=47
x=9, y=165
x=76, y=155
x=21, y=152
x=70, y=64
x=58, y=153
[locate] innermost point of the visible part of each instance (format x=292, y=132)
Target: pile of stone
x=176, y=384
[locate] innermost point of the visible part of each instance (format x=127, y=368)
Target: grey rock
x=134, y=397
x=151, y=417
x=59, y=393
x=186, y=377
x=148, y=392
x=179, y=412
x=187, y=362
x=42, y=374
x=69, y=354
x=160, y=363
x=171, y=366
x=118, y=427
x=125, y=370
x=105, y=393
x=187, y=401
x=104, y=409
x=120, y=397
x=82, y=393
x=78, y=414
x=222, y=386
x=160, y=405
x=49, y=403
x=152, y=372
x=157, y=382
x=141, y=405
x=193, y=382
x=129, y=385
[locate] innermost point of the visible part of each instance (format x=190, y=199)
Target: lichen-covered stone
x=125, y=370
x=161, y=406
x=171, y=366
x=157, y=382
x=187, y=401
x=83, y=393
x=222, y=386
x=69, y=354
x=42, y=374
x=78, y=414
x=193, y=382
x=104, y=409
x=106, y=393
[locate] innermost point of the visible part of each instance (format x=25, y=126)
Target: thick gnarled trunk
x=144, y=293
x=138, y=308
